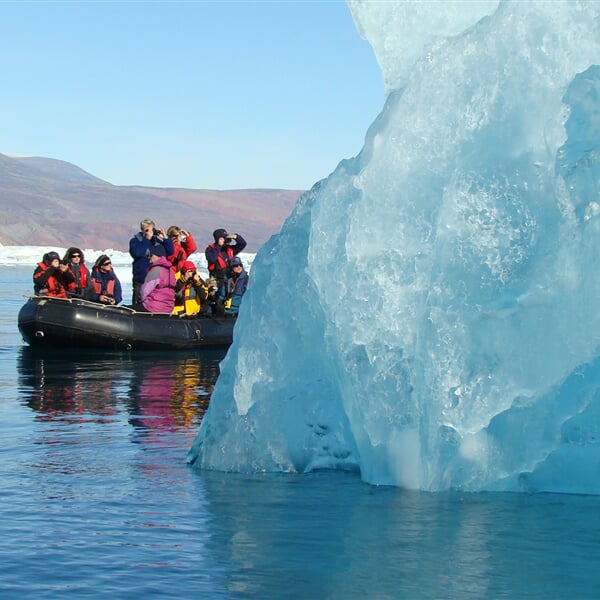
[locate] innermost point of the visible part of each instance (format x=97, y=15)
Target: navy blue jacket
x=214, y=251
x=102, y=278
x=139, y=249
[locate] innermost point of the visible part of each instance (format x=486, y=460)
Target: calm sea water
x=96, y=500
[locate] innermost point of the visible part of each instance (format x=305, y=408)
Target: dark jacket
x=82, y=284
x=234, y=287
x=51, y=280
x=139, y=249
x=106, y=284
x=218, y=257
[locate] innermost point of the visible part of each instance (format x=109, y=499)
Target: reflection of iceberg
x=434, y=300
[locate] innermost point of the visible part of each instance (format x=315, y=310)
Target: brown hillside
x=50, y=202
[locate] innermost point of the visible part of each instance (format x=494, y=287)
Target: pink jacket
x=158, y=289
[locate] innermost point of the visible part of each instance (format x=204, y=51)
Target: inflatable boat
x=45, y=321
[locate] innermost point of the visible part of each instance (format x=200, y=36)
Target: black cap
x=158, y=250
x=219, y=233
x=50, y=256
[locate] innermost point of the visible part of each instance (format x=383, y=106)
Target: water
x=96, y=499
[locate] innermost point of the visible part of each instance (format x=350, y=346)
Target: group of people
x=164, y=279
x=70, y=278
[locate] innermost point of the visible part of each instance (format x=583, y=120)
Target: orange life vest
x=52, y=286
x=110, y=288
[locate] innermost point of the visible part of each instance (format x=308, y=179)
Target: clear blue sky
x=216, y=95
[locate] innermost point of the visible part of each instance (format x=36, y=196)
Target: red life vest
x=178, y=257
x=83, y=278
x=221, y=263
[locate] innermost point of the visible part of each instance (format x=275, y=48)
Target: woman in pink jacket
x=158, y=289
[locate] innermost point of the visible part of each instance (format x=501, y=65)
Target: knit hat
x=188, y=265
x=102, y=259
x=49, y=257
x=219, y=233
x=158, y=250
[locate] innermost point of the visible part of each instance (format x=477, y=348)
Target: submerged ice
x=428, y=314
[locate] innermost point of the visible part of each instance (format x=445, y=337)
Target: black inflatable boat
x=45, y=321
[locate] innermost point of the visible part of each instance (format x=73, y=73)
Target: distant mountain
x=58, y=169
x=55, y=203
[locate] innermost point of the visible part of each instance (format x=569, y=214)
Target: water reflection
x=383, y=542
x=157, y=390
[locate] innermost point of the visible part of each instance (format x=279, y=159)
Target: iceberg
x=428, y=314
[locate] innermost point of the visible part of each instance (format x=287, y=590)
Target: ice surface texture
x=428, y=314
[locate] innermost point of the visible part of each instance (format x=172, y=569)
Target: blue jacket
x=234, y=288
x=100, y=281
x=139, y=249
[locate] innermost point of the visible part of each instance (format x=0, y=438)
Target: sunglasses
x=75, y=255
x=104, y=264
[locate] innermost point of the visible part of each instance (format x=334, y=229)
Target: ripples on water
x=96, y=500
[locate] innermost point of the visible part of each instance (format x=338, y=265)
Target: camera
x=156, y=232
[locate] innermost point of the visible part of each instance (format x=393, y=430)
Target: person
x=212, y=301
x=158, y=290
x=183, y=246
x=105, y=283
x=219, y=254
x=234, y=286
x=82, y=285
x=191, y=291
x=139, y=249
x=52, y=276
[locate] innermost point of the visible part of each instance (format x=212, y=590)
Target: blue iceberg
x=428, y=315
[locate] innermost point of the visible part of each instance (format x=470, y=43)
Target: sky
x=204, y=95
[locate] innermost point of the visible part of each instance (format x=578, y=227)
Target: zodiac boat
x=45, y=321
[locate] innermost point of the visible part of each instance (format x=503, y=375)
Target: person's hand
x=63, y=268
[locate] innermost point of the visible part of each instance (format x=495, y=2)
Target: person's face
x=148, y=229
x=238, y=269
x=221, y=241
x=55, y=262
x=107, y=266
x=76, y=258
